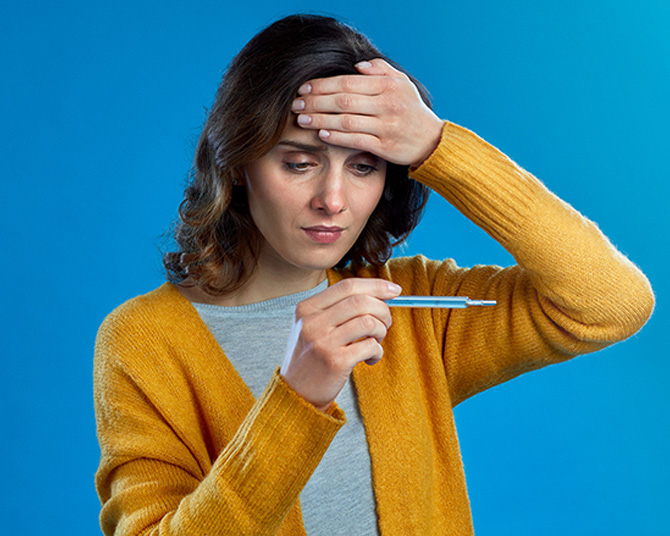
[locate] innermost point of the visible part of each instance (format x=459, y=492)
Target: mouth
x=322, y=234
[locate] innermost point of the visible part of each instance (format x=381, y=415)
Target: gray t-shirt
x=338, y=499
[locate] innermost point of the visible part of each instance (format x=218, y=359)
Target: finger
x=355, y=308
x=368, y=350
x=377, y=288
x=361, y=327
x=347, y=83
x=373, y=360
x=349, y=309
x=354, y=140
x=378, y=66
x=342, y=122
x=337, y=103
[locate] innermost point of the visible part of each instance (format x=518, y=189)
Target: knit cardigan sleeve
x=184, y=450
x=571, y=292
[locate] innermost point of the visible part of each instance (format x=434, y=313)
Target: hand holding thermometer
x=440, y=302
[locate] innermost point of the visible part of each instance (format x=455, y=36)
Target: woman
x=221, y=396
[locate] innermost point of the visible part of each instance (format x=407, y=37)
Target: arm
x=571, y=292
x=185, y=450
x=158, y=474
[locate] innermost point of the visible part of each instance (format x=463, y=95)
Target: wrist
x=434, y=136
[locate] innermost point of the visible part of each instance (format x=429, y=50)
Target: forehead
x=299, y=138
x=310, y=137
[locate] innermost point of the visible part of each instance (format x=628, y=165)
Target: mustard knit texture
x=186, y=449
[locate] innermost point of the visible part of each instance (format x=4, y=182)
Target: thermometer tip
x=482, y=302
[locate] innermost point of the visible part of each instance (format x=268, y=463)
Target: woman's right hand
x=333, y=331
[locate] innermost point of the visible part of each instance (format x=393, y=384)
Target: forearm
x=250, y=488
x=582, y=280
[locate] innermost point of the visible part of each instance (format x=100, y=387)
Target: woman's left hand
x=379, y=111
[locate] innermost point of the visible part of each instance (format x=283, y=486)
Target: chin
x=323, y=263
x=314, y=267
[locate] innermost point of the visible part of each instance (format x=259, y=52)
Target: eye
x=363, y=169
x=298, y=167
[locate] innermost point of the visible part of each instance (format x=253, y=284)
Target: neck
x=268, y=281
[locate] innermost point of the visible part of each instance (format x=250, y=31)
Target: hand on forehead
x=374, y=78
x=380, y=111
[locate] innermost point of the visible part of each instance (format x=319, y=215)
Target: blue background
x=101, y=104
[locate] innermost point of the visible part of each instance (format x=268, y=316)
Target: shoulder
x=153, y=306
x=146, y=319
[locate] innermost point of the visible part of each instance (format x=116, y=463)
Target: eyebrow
x=304, y=146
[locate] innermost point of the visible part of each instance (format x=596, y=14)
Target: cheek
x=264, y=209
x=374, y=197
x=260, y=193
x=273, y=208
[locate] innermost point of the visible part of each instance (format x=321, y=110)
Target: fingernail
x=305, y=88
x=324, y=134
x=304, y=119
x=363, y=65
x=298, y=104
x=394, y=288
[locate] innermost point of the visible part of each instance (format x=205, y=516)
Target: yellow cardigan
x=186, y=449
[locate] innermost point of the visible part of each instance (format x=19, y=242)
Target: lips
x=323, y=234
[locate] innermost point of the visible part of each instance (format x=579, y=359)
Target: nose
x=330, y=196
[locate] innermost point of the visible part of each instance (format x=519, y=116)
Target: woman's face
x=311, y=200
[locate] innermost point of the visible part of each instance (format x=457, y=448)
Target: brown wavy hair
x=218, y=242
